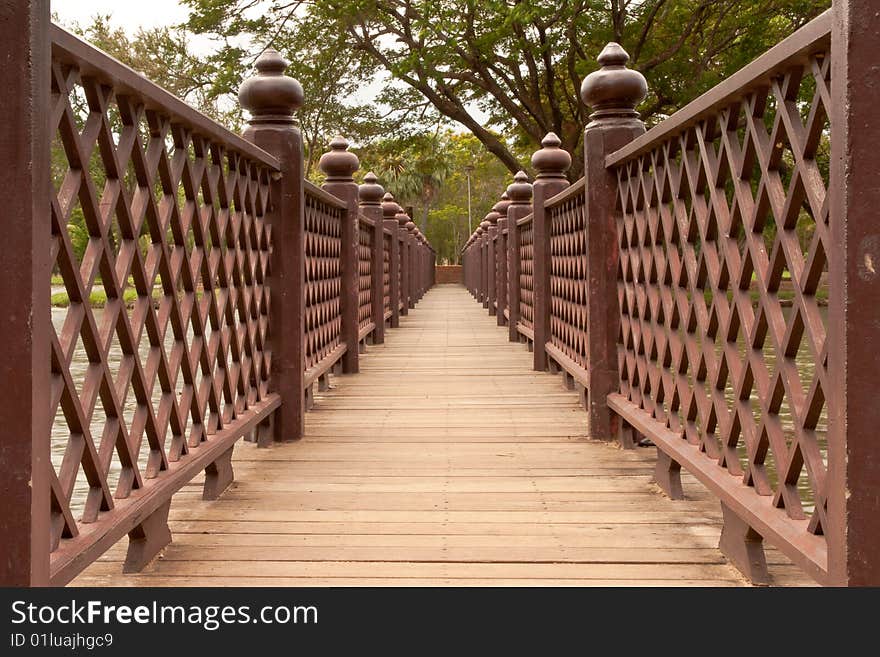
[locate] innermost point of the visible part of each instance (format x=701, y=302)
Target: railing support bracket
x=218, y=476
x=744, y=547
x=147, y=539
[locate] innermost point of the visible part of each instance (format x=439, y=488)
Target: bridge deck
x=446, y=461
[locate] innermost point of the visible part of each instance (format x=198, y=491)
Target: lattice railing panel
x=160, y=241
x=323, y=243
x=724, y=249
x=568, y=278
x=364, y=251
x=526, y=274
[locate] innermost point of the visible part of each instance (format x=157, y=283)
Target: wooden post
x=484, y=262
x=551, y=163
x=613, y=92
x=24, y=291
x=499, y=257
x=478, y=262
x=405, y=260
x=491, y=237
x=412, y=284
x=520, y=193
x=418, y=270
x=501, y=272
x=339, y=165
x=389, y=212
x=370, y=201
x=272, y=98
x=853, y=514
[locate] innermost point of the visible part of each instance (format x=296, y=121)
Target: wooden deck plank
x=446, y=461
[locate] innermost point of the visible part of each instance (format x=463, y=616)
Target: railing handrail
x=93, y=62
x=813, y=37
x=575, y=189
x=316, y=192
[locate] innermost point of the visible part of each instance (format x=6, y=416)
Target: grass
x=97, y=299
x=58, y=280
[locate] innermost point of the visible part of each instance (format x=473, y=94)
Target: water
x=806, y=367
x=61, y=433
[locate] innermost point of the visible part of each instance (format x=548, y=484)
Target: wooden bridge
x=424, y=470
x=662, y=373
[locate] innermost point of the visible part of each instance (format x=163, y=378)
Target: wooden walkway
x=447, y=461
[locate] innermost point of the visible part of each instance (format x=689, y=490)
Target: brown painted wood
x=390, y=486
x=24, y=290
x=853, y=358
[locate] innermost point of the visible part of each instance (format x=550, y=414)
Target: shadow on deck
x=448, y=461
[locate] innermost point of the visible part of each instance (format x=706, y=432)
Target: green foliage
x=393, y=76
x=97, y=299
x=521, y=63
x=163, y=55
x=430, y=172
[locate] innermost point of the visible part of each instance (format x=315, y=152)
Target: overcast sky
x=128, y=14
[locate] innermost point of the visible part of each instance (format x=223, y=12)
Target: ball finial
x=520, y=191
x=338, y=164
x=269, y=95
x=613, y=91
x=551, y=161
x=371, y=192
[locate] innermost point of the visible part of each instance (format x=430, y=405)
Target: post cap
x=338, y=164
x=551, y=161
x=501, y=206
x=390, y=208
x=371, y=192
x=520, y=190
x=613, y=90
x=269, y=95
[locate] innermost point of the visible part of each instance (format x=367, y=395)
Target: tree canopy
x=401, y=79
x=513, y=67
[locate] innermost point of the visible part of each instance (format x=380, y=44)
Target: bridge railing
x=201, y=288
x=709, y=286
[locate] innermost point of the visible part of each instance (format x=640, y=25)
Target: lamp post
x=468, y=169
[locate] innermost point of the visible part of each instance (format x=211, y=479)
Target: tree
x=521, y=62
x=163, y=56
x=324, y=63
x=413, y=168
